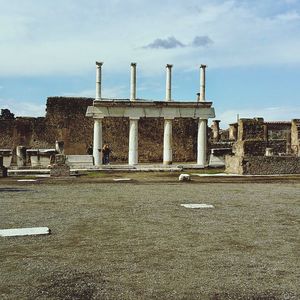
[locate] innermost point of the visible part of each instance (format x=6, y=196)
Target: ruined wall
x=65, y=120
x=30, y=132
x=262, y=165
x=251, y=129
x=295, y=137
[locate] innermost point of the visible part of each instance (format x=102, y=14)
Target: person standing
x=105, y=152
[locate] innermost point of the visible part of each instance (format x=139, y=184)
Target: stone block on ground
x=59, y=171
x=24, y=231
x=184, y=177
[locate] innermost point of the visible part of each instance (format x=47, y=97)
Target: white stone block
x=191, y=205
x=122, y=179
x=184, y=177
x=25, y=231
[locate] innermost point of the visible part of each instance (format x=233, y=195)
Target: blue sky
x=252, y=49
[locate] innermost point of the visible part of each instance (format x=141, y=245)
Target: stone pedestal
x=21, y=156
x=60, y=169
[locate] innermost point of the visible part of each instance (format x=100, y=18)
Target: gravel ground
x=135, y=241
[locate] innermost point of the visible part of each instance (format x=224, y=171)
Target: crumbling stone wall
x=250, y=150
x=295, y=136
x=251, y=129
x=262, y=165
x=65, y=120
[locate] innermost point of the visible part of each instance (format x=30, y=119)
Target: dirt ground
x=133, y=240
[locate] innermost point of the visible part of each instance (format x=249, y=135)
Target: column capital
x=169, y=66
x=134, y=118
x=99, y=63
x=133, y=64
x=203, y=66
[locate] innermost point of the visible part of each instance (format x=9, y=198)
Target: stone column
x=133, y=82
x=233, y=132
x=97, y=144
x=202, y=83
x=167, y=153
x=133, y=142
x=98, y=79
x=216, y=130
x=202, y=142
x=168, y=82
x=167, y=158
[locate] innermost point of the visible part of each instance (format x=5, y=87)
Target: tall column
x=98, y=79
x=202, y=142
x=168, y=142
x=133, y=142
x=167, y=152
x=168, y=82
x=97, y=145
x=133, y=82
x=202, y=83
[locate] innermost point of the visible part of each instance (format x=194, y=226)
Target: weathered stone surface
x=66, y=121
x=262, y=165
x=3, y=169
x=295, y=136
x=249, y=129
x=59, y=171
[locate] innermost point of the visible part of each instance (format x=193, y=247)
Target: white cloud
x=54, y=37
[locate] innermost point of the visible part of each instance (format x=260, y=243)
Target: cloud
x=67, y=39
x=201, y=41
x=168, y=43
x=171, y=42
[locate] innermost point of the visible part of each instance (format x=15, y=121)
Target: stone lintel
x=105, y=102
x=151, y=110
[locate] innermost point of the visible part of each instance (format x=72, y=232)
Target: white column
x=167, y=154
x=133, y=142
x=167, y=142
x=97, y=145
x=202, y=142
x=168, y=82
x=202, y=83
x=133, y=82
x=98, y=79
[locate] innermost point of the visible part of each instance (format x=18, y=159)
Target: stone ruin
x=60, y=168
x=256, y=154
x=3, y=169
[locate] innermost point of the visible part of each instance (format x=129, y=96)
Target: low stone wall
x=262, y=165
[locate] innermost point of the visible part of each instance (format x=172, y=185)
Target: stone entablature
x=150, y=109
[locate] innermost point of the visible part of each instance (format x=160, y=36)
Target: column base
x=167, y=162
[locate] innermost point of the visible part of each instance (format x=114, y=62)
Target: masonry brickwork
x=65, y=120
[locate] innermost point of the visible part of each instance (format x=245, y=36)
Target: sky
x=251, y=48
